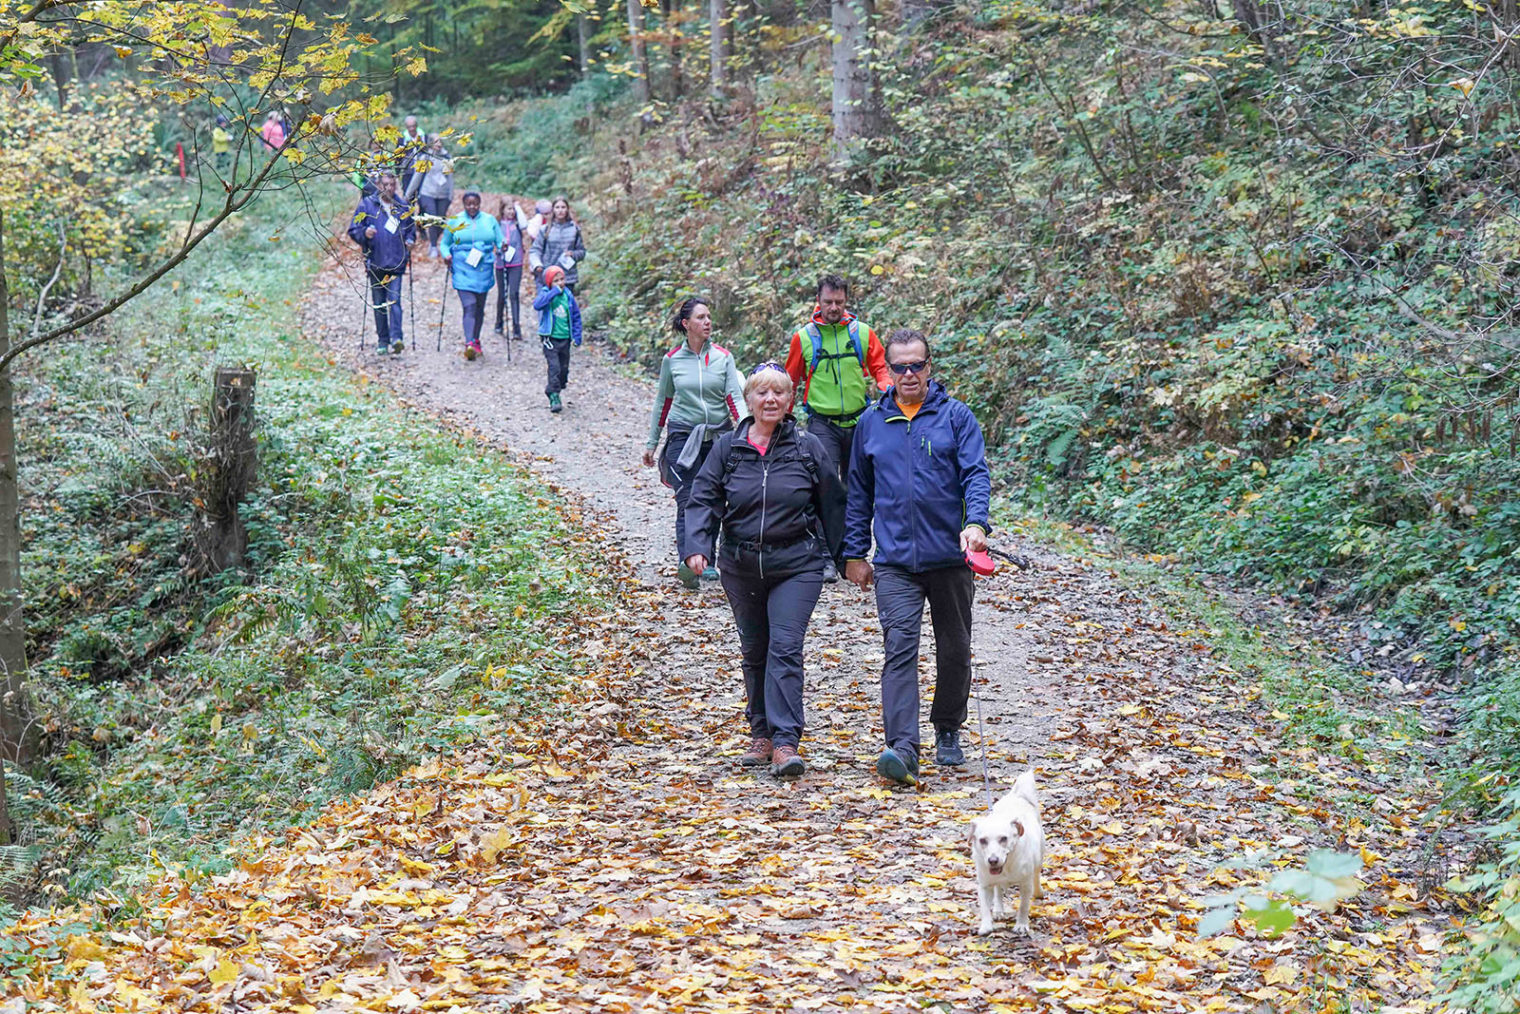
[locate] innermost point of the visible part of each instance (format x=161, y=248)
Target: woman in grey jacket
x=433, y=186
x=560, y=243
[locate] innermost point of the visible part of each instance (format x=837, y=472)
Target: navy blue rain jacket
x=388, y=251
x=920, y=481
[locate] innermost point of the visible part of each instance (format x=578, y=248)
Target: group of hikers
x=773, y=508
x=882, y=453
x=405, y=203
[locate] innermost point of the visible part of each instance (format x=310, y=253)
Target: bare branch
x=57, y=271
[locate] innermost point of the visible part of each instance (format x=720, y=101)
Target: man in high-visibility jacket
x=834, y=359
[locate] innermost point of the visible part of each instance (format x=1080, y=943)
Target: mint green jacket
x=695, y=389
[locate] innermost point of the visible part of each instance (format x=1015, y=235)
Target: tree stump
x=231, y=462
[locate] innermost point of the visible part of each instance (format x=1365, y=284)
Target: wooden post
x=232, y=462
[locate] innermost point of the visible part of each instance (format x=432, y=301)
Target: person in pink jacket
x=273, y=132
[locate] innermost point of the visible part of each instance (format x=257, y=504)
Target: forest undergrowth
x=398, y=585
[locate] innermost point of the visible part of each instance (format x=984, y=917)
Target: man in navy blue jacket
x=919, y=472
x=382, y=226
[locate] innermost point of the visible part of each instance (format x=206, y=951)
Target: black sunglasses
x=901, y=368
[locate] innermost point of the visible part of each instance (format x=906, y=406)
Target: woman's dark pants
x=509, y=288
x=474, y=304
x=682, y=478
x=772, y=615
x=435, y=206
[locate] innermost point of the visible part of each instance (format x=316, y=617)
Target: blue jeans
x=474, y=305
x=385, y=299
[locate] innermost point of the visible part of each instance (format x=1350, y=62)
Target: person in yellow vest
x=837, y=363
x=221, y=144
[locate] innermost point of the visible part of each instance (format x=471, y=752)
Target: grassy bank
x=400, y=593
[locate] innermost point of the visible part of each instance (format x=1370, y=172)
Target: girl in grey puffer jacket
x=560, y=243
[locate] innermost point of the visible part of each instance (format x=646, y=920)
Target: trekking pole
x=443, y=304
x=411, y=299
x=364, y=321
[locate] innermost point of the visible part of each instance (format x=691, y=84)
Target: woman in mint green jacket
x=468, y=247
x=700, y=395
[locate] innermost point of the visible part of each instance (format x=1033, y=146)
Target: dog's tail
x=1025, y=788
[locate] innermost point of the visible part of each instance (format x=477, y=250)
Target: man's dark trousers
x=900, y=597
x=837, y=441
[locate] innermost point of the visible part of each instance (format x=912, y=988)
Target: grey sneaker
x=900, y=767
x=947, y=748
x=830, y=572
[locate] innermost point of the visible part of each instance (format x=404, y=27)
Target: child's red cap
x=553, y=273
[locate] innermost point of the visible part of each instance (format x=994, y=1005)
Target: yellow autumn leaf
x=494, y=843
x=84, y=949
x=224, y=973
x=1280, y=975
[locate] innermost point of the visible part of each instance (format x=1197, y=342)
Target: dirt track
x=1137, y=728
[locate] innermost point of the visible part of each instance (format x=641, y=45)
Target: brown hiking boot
x=786, y=764
x=759, y=753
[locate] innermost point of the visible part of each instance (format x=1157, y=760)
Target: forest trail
x=621, y=861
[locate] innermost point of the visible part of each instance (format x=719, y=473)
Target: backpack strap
x=852, y=332
x=816, y=337
x=731, y=459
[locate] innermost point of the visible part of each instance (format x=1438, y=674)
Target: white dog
x=1008, y=846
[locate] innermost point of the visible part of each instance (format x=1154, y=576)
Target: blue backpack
x=816, y=336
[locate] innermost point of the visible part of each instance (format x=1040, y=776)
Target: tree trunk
x=857, y=92
x=61, y=64
x=232, y=461
x=583, y=40
x=18, y=733
x=673, y=28
x=719, y=76
x=636, y=47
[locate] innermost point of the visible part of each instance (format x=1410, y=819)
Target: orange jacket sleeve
x=876, y=361
x=796, y=366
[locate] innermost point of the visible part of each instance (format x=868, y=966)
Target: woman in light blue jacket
x=469, y=246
